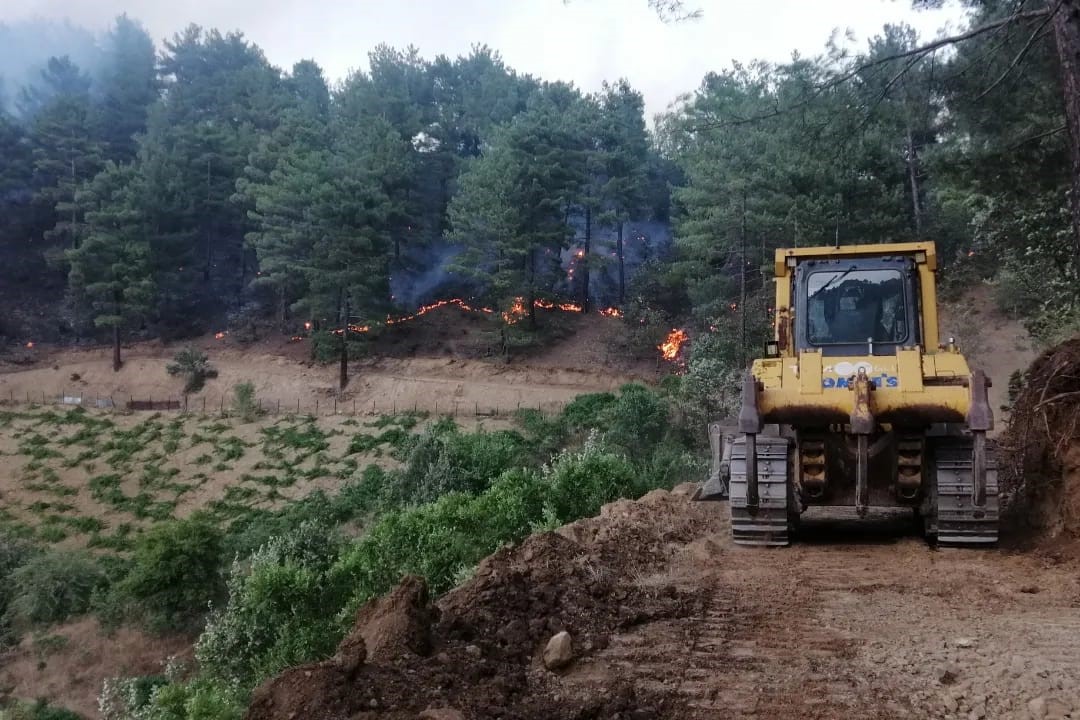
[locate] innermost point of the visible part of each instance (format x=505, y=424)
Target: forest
x=172, y=191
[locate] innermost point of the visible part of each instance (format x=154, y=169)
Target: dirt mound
x=478, y=651
x=1041, y=465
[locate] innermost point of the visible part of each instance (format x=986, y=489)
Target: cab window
x=853, y=306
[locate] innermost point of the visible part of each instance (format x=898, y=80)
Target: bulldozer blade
x=713, y=489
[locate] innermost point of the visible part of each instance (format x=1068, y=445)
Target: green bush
x=579, y=483
x=156, y=699
x=280, y=609
x=53, y=586
x=175, y=572
x=440, y=539
x=194, y=366
x=245, y=405
x=637, y=421
x=450, y=461
x=589, y=411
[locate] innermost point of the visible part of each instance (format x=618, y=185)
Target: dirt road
x=843, y=625
x=671, y=620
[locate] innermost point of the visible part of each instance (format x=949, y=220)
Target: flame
x=580, y=253
x=296, y=338
x=516, y=311
x=425, y=309
x=219, y=336
x=612, y=312
x=307, y=326
x=30, y=344
x=669, y=349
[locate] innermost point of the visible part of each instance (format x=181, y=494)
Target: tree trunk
x=116, y=348
x=1067, y=37
x=913, y=177
x=531, y=299
x=343, y=374
x=622, y=264
x=585, y=258
x=742, y=287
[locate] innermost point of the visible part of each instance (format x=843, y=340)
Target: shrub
x=175, y=572
x=579, y=483
x=155, y=698
x=443, y=462
x=53, y=586
x=14, y=552
x=244, y=403
x=194, y=366
x=637, y=420
x=280, y=609
x=440, y=539
x=588, y=411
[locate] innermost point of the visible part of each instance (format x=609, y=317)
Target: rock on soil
x=559, y=651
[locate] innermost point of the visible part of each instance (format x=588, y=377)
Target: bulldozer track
x=960, y=523
x=768, y=524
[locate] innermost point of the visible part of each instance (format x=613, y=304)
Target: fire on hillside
x=672, y=344
x=511, y=316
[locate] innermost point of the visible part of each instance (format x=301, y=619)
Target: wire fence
x=314, y=406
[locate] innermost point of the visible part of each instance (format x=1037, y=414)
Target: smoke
x=421, y=276
x=27, y=45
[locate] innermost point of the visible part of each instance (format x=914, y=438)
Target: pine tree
x=66, y=150
x=111, y=268
x=127, y=85
x=624, y=148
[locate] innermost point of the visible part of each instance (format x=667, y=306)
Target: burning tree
x=513, y=201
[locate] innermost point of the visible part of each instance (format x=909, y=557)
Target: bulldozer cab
x=856, y=306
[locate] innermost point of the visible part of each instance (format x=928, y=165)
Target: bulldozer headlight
x=772, y=349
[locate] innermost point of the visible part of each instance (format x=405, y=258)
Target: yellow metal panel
x=909, y=370
x=810, y=372
x=929, y=310
x=925, y=252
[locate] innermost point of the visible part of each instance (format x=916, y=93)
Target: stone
x=948, y=673
x=964, y=642
x=473, y=650
x=442, y=714
x=1037, y=708
x=1057, y=710
x=559, y=651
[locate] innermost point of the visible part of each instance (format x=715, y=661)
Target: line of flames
x=511, y=316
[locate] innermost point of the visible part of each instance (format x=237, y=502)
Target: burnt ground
x=670, y=620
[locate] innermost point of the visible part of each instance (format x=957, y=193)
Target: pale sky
x=581, y=41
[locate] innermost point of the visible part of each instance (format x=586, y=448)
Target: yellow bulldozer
x=856, y=404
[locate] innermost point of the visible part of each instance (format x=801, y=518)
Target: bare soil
x=670, y=620
x=70, y=672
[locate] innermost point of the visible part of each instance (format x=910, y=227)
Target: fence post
x=335, y=405
x=436, y=408
x=221, y=409
x=278, y=407
x=316, y=407
x=395, y=407
x=476, y=412
x=297, y=406
x=354, y=406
